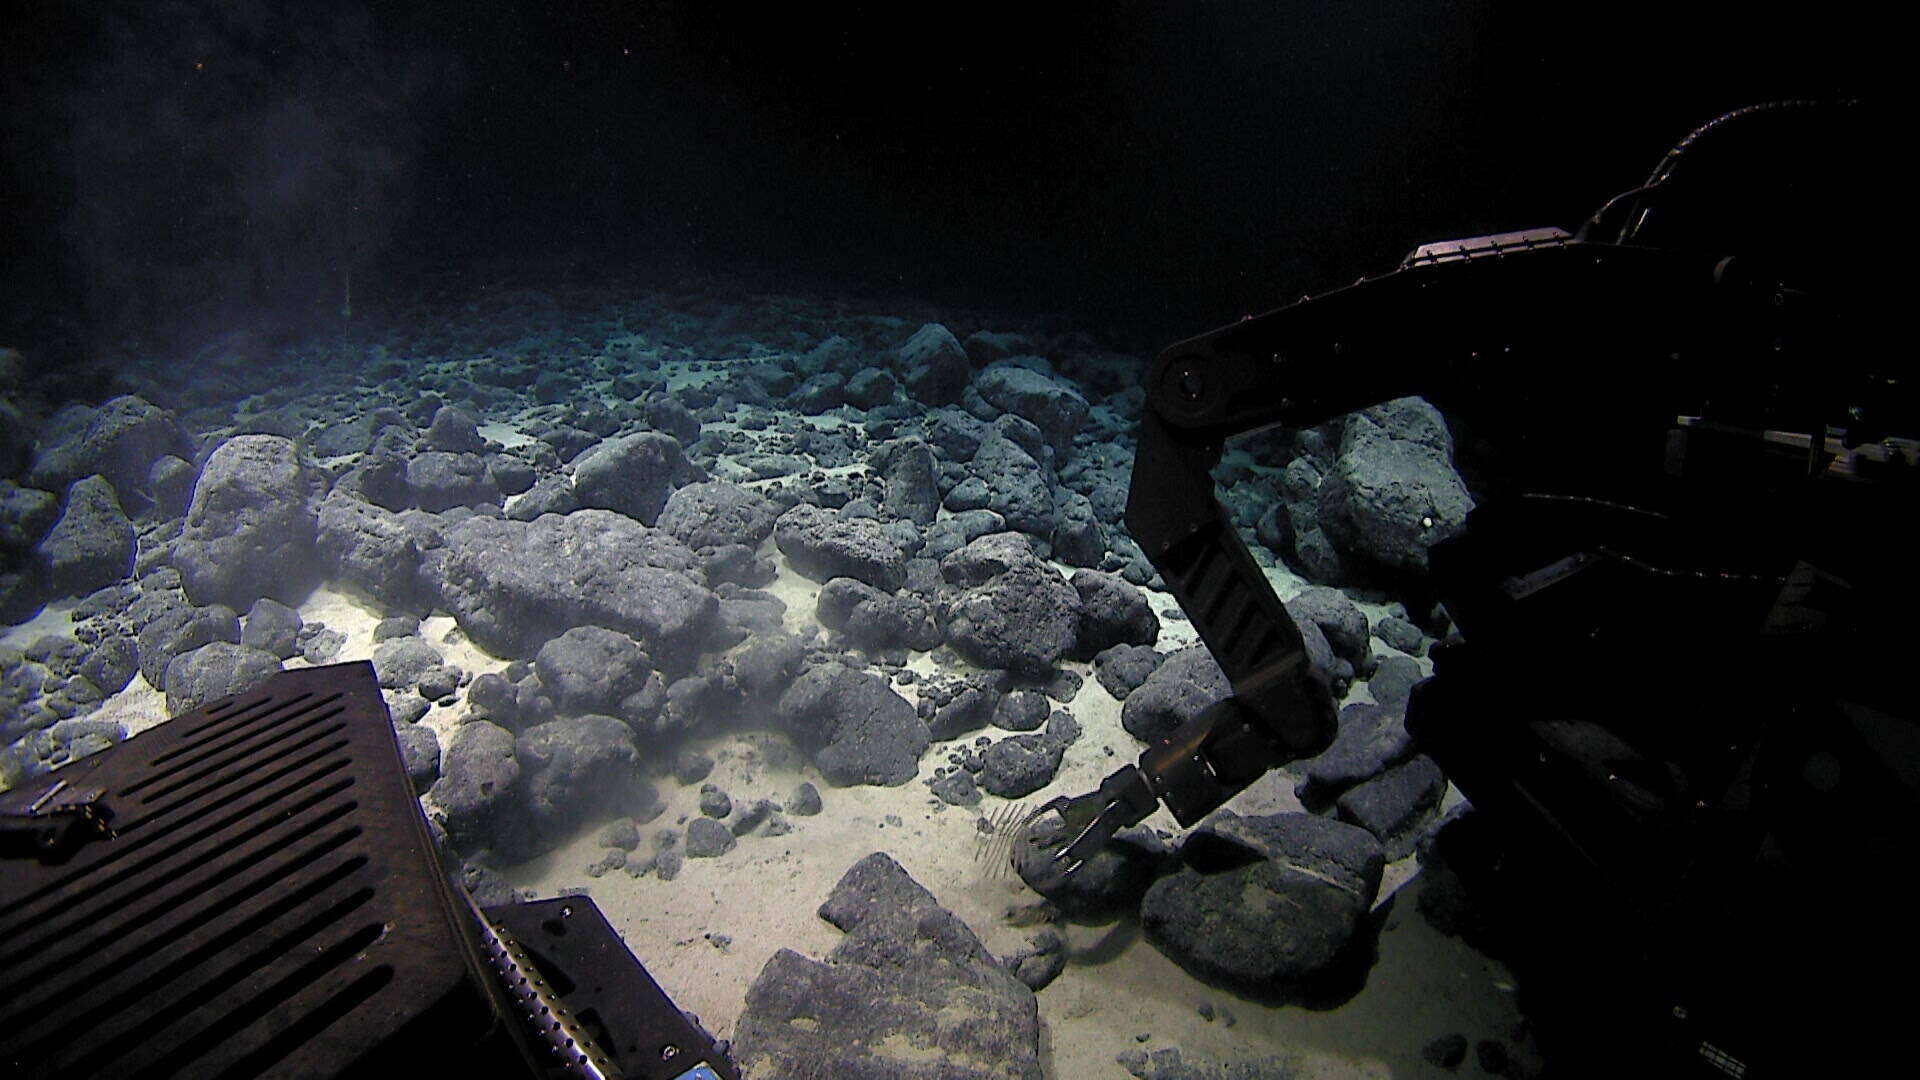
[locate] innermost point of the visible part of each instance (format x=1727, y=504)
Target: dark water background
x=174, y=169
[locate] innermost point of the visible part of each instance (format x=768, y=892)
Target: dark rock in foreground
x=214, y=671
x=910, y=994
x=1264, y=903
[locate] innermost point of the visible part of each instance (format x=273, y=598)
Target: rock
x=884, y=1002
x=454, y=431
x=954, y=434
x=250, y=528
x=707, y=839
x=215, y=671
x=511, y=474
x=25, y=516
x=1113, y=611
x=933, y=366
x=273, y=627
x=1180, y=689
x=590, y=669
x=479, y=789
x=1110, y=882
x=1049, y=404
x=121, y=440
x=91, y=545
x=874, y=620
x=420, y=751
x=491, y=697
x=1021, y=710
x=1393, y=683
x=987, y=557
x=667, y=413
x=865, y=732
x=395, y=626
x=823, y=545
x=957, y=789
x=1017, y=487
x=1022, y=620
x=370, y=551
x=1396, y=804
x=805, y=801
x=549, y=495
x=766, y=665
x=970, y=710
x=577, y=767
x=1123, y=668
x=622, y=834
x=632, y=475
x=819, y=393
x=907, y=466
x=871, y=388
x=181, y=629
x=1020, y=765
x=1339, y=619
x=1393, y=492
x=1369, y=739
x=440, y=481
x=1265, y=903
x=514, y=585
x=716, y=513
x=691, y=767
x=400, y=662
x=714, y=803
x=667, y=863
x=1402, y=635
x=111, y=664
x=1172, y=1063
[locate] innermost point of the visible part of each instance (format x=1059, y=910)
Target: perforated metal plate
x=268, y=903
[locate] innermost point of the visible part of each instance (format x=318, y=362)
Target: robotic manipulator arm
x=1488, y=327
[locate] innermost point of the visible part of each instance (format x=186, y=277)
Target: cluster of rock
x=910, y=992
x=620, y=557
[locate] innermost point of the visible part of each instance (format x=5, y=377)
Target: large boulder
x=1017, y=487
x=1022, y=620
x=91, y=546
x=912, y=494
x=479, y=790
x=440, y=480
x=120, y=440
x=371, y=551
x=823, y=545
x=514, y=585
x=910, y=994
x=1265, y=904
x=717, y=513
x=1113, y=611
x=250, y=527
x=1393, y=492
x=1048, y=403
x=575, y=767
x=590, y=669
x=633, y=475
x=863, y=732
x=1181, y=688
x=933, y=366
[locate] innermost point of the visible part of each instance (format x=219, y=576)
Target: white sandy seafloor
x=705, y=935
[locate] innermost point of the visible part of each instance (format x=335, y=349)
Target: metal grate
x=267, y=903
